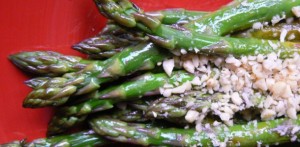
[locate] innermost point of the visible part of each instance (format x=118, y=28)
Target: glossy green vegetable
x=274, y=32
x=80, y=139
x=127, y=91
x=176, y=107
x=241, y=15
x=69, y=116
x=60, y=124
x=113, y=38
x=48, y=63
x=141, y=57
x=176, y=16
x=191, y=37
x=129, y=115
x=251, y=134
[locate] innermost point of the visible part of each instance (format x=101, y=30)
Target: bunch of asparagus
x=132, y=46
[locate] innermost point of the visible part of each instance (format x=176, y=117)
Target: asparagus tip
x=59, y=124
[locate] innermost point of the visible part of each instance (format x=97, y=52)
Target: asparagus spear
x=113, y=37
x=264, y=133
x=109, y=42
x=85, y=138
x=177, y=15
x=274, y=32
x=188, y=38
x=242, y=15
x=220, y=22
x=129, y=115
x=141, y=104
x=177, y=106
x=48, y=63
x=38, y=82
x=101, y=46
x=127, y=91
x=141, y=57
x=69, y=116
x=60, y=124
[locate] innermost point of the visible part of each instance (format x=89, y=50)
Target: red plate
x=51, y=25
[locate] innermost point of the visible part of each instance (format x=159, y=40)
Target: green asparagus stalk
x=141, y=104
x=150, y=84
x=80, y=139
x=263, y=133
x=38, y=82
x=144, y=56
x=221, y=22
x=129, y=115
x=60, y=124
x=274, y=32
x=109, y=42
x=242, y=15
x=113, y=38
x=41, y=82
x=189, y=38
x=48, y=63
x=127, y=91
x=101, y=46
x=69, y=116
x=176, y=107
x=177, y=15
